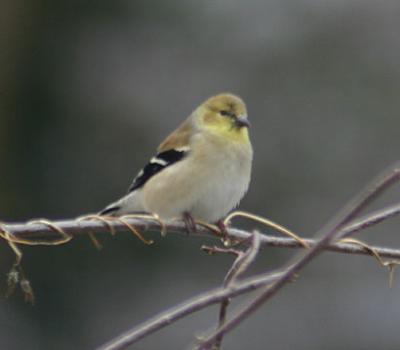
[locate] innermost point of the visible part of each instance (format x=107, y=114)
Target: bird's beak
x=241, y=121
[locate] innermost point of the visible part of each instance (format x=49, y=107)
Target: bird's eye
x=225, y=113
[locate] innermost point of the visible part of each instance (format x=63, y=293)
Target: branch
x=240, y=265
x=51, y=233
x=215, y=296
x=37, y=232
x=192, y=305
x=206, y=299
x=328, y=233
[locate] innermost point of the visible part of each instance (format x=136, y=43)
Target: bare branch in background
x=189, y=307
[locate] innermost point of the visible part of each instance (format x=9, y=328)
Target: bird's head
x=225, y=115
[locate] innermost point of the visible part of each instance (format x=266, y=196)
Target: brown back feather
x=177, y=139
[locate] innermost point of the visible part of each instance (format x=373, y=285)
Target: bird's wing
x=173, y=149
x=157, y=164
x=179, y=139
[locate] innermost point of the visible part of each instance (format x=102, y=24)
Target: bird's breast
x=208, y=182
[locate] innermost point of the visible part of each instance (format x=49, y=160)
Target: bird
x=201, y=170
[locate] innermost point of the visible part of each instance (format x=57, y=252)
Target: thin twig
x=369, y=220
x=239, y=266
x=327, y=233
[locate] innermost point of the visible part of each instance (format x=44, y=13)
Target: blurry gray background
x=89, y=88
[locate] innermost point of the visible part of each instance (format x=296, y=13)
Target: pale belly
x=219, y=197
x=207, y=193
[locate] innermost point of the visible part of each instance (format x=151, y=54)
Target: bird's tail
x=129, y=204
x=110, y=210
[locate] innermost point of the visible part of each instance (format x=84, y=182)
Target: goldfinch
x=201, y=170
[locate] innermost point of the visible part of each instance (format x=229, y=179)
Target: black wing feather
x=158, y=163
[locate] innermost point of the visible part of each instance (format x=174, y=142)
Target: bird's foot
x=221, y=224
x=190, y=223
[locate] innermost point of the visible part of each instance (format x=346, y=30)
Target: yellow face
x=225, y=115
